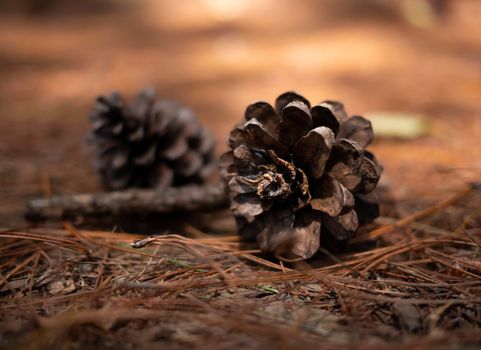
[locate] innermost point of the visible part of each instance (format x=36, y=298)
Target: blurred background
x=414, y=66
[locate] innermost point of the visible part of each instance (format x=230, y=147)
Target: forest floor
x=413, y=279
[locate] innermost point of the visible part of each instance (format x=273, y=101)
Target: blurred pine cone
x=149, y=143
x=299, y=177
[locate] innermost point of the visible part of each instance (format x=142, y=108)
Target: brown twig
x=134, y=201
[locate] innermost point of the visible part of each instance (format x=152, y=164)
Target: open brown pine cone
x=148, y=143
x=299, y=177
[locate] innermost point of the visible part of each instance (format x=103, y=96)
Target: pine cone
x=298, y=176
x=149, y=143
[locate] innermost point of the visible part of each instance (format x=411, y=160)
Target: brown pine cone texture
x=299, y=177
x=149, y=143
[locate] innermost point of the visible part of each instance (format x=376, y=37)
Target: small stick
x=133, y=201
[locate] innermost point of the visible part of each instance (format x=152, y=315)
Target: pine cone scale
x=296, y=122
x=288, y=97
x=250, y=205
x=342, y=227
x=260, y=138
x=147, y=157
x=188, y=165
x=305, y=239
x=118, y=158
x=276, y=237
x=323, y=115
x=174, y=149
x=246, y=160
x=357, y=129
x=311, y=152
x=331, y=197
x=266, y=115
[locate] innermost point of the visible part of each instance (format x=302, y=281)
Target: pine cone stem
x=161, y=201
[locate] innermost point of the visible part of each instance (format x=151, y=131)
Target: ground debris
x=117, y=289
x=408, y=316
x=61, y=287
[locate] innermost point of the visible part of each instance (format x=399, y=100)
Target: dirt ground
x=217, y=58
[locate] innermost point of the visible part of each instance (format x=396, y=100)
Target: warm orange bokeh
x=218, y=56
